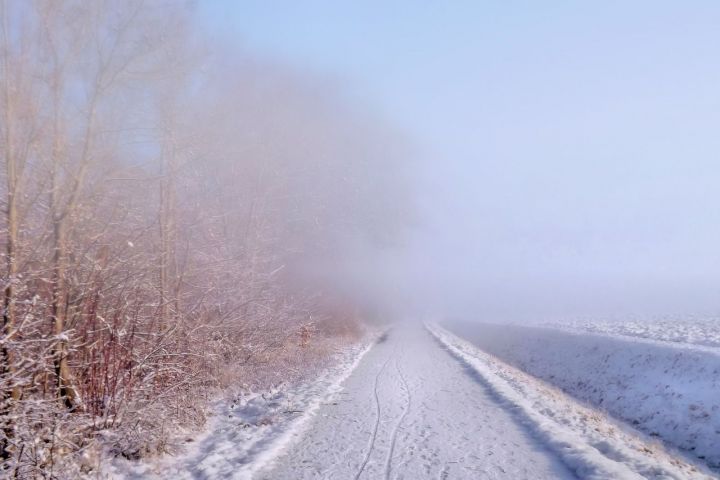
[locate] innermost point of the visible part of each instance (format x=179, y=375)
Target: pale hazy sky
x=569, y=157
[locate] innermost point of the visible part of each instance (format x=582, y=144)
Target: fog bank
x=563, y=155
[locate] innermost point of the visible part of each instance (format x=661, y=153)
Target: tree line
x=161, y=200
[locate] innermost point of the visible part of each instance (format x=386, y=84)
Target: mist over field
x=562, y=159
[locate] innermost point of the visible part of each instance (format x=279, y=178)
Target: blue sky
x=577, y=142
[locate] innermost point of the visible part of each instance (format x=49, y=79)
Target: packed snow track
x=410, y=410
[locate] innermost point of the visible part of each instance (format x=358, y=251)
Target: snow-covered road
x=421, y=404
x=410, y=410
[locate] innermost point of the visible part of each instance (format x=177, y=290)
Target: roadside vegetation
x=168, y=210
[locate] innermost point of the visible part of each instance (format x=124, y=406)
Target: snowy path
x=410, y=410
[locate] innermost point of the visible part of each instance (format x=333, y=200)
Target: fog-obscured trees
x=159, y=207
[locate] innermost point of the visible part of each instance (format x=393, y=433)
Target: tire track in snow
x=377, y=420
x=451, y=416
x=444, y=473
x=388, y=461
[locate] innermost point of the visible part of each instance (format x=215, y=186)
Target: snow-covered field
x=688, y=330
x=669, y=390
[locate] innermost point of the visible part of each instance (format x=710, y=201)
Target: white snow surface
x=591, y=445
x=419, y=404
x=246, y=433
x=703, y=331
x=669, y=391
x=412, y=411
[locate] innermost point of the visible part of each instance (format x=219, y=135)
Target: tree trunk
x=7, y=360
x=66, y=391
x=168, y=261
